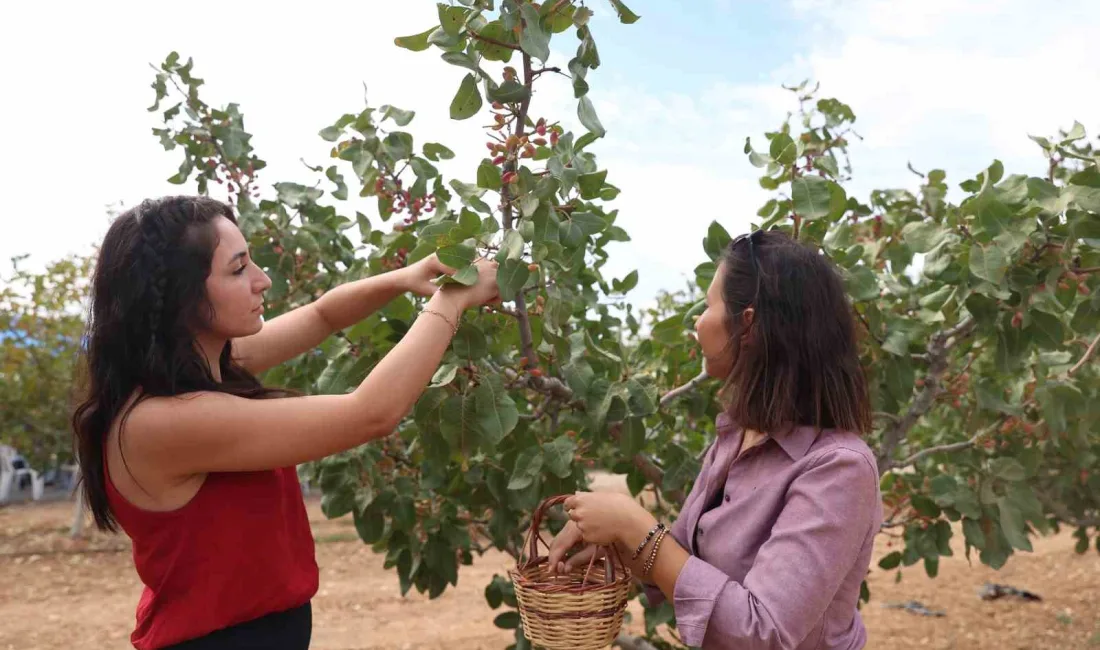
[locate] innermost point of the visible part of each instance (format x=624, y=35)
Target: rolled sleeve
x=698, y=588
x=817, y=537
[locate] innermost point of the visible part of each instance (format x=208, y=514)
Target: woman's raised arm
x=208, y=432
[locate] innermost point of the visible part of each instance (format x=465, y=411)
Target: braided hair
x=148, y=297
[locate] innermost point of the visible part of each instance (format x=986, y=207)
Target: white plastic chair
x=9, y=475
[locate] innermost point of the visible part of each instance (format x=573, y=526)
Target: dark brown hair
x=148, y=296
x=797, y=363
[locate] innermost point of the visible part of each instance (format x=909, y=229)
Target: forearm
x=668, y=562
x=349, y=303
x=397, y=382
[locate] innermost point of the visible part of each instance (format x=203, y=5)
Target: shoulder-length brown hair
x=797, y=362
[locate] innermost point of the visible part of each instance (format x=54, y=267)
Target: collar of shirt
x=795, y=443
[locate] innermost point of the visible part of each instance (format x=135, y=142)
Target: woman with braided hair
x=190, y=455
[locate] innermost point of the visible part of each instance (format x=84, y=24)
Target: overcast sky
x=938, y=83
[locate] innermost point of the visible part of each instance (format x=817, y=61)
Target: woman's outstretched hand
x=602, y=518
x=419, y=278
x=419, y=275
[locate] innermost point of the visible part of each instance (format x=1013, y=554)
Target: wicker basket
x=580, y=610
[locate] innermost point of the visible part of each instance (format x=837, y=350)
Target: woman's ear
x=748, y=316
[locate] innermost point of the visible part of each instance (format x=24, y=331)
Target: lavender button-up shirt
x=778, y=563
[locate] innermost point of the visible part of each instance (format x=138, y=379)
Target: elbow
x=373, y=419
x=381, y=425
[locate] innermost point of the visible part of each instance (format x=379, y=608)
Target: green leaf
x=559, y=456
x=1075, y=133
x=444, y=375
x=401, y=117
x=466, y=276
x=1046, y=330
x=509, y=92
x=587, y=114
x=862, y=284
x=457, y=256
x=1012, y=524
x=458, y=422
x=632, y=437
x=890, y=561
x=507, y=620
x=936, y=300
x=988, y=264
x=497, y=414
x=783, y=149
x=511, y=276
x=811, y=196
x=511, y=248
x=494, y=31
x=451, y=19
x=416, y=42
x=626, y=16
x=489, y=175
x=591, y=184
x=1008, y=469
x=462, y=60
x=296, y=195
x=923, y=236
x=435, y=152
x=469, y=342
x=528, y=466
x=534, y=40
x=337, y=504
x=398, y=145
x=589, y=223
x=467, y=101
x=925, y=506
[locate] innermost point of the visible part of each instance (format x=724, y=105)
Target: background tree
x=981, y=317
x=41, y=324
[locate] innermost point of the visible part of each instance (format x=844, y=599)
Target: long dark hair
x=148, y=297
x=799, y=364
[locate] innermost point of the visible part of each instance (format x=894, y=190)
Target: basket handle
x=530, y=544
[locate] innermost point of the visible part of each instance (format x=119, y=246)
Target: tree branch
x=940, y=344
x=649, y=469
x=1064, y=515
x=954, y=446
x=494, y=41
x=1085, y=359
x=526, y=340
x=688, y=387
x=866, y=325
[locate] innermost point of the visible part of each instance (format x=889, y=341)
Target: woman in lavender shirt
x=775, y=538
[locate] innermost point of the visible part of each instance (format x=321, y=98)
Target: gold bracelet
x=653, y=554
x=454, y=328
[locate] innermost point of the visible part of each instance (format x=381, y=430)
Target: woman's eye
x=240, y=270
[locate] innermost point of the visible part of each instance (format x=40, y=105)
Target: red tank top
x=240, y=549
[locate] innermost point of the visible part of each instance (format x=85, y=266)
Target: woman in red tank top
x=190, y=455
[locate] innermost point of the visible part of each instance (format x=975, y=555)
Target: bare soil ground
x=59, y=593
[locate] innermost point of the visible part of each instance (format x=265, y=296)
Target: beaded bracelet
x=653, y=554
x=652, y=532
x=454, y=328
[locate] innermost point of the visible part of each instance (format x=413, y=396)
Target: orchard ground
x=57, y=592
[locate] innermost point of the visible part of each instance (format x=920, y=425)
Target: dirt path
x=58, y=593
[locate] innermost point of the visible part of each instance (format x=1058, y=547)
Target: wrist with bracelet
x=435, y=311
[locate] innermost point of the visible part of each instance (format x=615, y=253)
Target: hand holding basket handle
x=577, y=610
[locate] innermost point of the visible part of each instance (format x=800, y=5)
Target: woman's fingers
x=583, y=557
x=569, y=537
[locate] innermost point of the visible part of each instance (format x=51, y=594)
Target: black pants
x=289, y=630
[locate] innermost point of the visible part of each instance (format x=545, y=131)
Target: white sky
x=947, y=83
